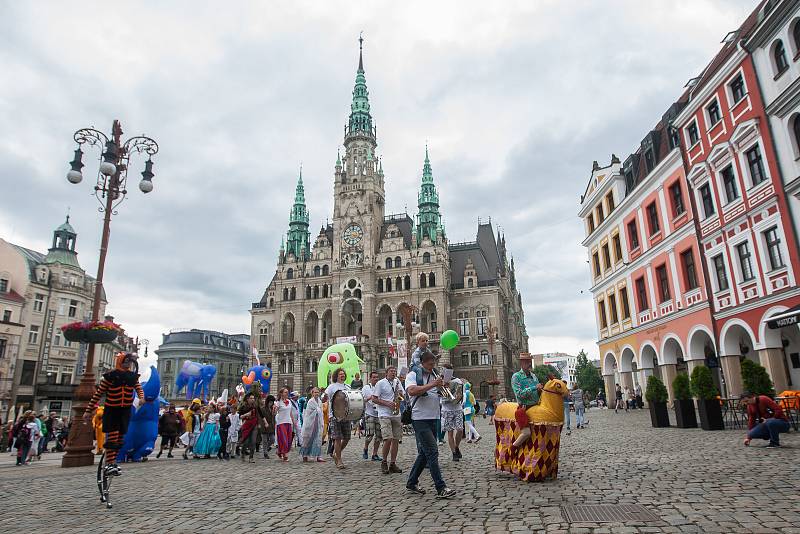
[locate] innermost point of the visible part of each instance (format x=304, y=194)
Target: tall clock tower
x=359, y=196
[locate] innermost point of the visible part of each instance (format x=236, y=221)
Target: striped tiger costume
x=118, y=386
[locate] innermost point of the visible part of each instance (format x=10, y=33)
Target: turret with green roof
x=298, y=236
x=429, y=220
x=63, y=249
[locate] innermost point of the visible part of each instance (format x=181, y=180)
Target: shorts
x=452, y=421
x=391, y=427
x=116, y=419
x=339, y=429
x=169, y=440
x=373, y=427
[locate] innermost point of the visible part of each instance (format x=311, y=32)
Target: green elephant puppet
x=339, y=356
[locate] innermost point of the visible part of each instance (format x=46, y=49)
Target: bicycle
x=103, y=481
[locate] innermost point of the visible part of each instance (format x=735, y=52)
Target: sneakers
x=477, y=440
x=366, y=454
x=384, y=468
x=458, y=453
x=415, y=489
x=169, y=455
x=456, y=457
x=113, y=470
x=394, y=469
x=773, y=445
x=445, y=493
x=376, y=458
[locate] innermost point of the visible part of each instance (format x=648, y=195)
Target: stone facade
x=365, y=267
x=228, y=353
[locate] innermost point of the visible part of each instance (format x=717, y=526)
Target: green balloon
x=449, y=340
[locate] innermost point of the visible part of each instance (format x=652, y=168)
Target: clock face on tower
x=352, y=235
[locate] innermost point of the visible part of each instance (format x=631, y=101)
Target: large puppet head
x=335, y=357
x=259, y=373
x=126, y=361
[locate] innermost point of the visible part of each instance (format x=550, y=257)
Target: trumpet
x=444, y=391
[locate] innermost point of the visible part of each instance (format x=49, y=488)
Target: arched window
x=796, y=35
x=470, y=283
x=388, y=284
x=388, y=263
x=324, y=270
x=398, y=284
x=357, y=294
x=381, y=361
x=271, y=302
x=407, y=283
x=293, y=293
x=285, y=293
x=325, y=291
x=316, y=292
x=308, y=292
x=473, y=358
x=423, y=280
x=779, y=57
x=796, y=131
x=289, y=273
x=380, y=285
x=398, y=262
x=465, y=359
x=317, y=270
x=426, y=258
x=432, y=280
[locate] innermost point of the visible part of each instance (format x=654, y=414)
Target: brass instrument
x=444, y=391
x=398, y=398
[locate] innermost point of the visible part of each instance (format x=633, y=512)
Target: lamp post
x=407, y=325
x=491, y=333
x=110, y=190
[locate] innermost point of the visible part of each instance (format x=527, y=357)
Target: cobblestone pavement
x=694, y=481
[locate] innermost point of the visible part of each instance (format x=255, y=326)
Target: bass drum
x=348, y=405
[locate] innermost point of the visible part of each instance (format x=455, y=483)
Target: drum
x=348, y=405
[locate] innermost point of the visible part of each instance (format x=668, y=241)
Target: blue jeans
x=579, y=414
x=566, y=414
x=769, y=429
x=427, y=454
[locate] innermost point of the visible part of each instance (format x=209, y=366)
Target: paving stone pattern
x=694, y=481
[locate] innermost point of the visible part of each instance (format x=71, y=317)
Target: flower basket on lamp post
x=91, y=331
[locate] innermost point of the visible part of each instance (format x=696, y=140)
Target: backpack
x=23, y=435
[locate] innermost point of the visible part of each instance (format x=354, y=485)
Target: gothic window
x=470, y=283
x=465, y=359
x=271, y=302
x=423, y=280
x=432, y=280
x=473, y=358
x=380, y=285
x=289, y=273
x=324, y=270
x=293, y=294
x=308, y=292
x=285, y=293
x=485, y=357
x=407, y=283
x=316, y=292
x=388, y=263
x=397, y=262
x=426, y=258
x=398, y=284
x=388, y=284
x=317, y=270
x=357, y=294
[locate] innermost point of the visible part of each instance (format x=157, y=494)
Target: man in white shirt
x=424, y=393
x=338, y=431
x=372, y=426
x=453, y=420
x=387, y=393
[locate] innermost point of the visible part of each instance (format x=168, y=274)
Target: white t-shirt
x=284, y=414
x=330, y=391
x=452, y=406
x=387, y=391
x=425, y=406
x=369, y=407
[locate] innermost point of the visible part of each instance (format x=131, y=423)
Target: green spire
x=298, y=237
x=430, y=220
x=360, y=118
x=338, y=158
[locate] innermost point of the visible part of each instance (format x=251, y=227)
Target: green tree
x=543, y=371
x=755, y=379
x=681, y=387
x=702, y=383
x=656, y=390
x=587, y=376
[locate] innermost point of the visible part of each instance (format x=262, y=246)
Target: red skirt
x=283, y=433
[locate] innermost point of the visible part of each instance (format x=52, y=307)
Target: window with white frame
x=755, y=165
x=692, y=133
x=73, y=308
x=779, y=61
x=62, y=306
x=745, y=261
x=707, y=200
x=481, y=322
x=720, y=272
x=463, y=323
x=33, y=335
x=3, y=285
x=485, y=360
x=729, y=184
x=737, y=88
x=773, y=242
x=38, y=303
x=713, y=114
x=6, y=316
x=57, y=339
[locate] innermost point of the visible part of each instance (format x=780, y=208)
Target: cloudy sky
x=514, y=98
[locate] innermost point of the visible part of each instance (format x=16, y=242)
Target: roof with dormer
x=484, y=253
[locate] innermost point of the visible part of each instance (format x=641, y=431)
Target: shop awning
x=787, y=318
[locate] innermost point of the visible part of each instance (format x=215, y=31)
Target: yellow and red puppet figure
x=118, y=386
x=97, y=423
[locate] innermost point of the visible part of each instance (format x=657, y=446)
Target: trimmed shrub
x=756, y=379
x=702, y=383
x=656, y=390
x=681, y=387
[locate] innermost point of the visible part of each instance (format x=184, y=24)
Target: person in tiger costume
x=118, y=387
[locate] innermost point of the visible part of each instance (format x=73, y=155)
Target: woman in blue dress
x=209, y=442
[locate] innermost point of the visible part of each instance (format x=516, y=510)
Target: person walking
x=453, y=421
x=224, y=428
x=313, y=427
x=339, y=431
x=233, y=433
x=618, y=404
x=169, y=428
x=249, y=430
x=209, y=442
x=424, y=389
x=372, y=426
x=386, y=396
x=284, y=423
x=566, y=413
x=469, y=414
x=577, y=401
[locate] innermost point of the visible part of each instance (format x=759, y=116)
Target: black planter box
x=710, y=414
x=75, y=335
x=659, y=416
x=101, y=336
x=684, y=413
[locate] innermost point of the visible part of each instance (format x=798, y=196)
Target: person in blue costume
x=209, y=442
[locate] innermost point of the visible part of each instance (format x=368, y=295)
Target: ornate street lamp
x=110, y=190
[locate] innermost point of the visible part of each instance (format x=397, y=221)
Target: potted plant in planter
x=755, y=379
x=656, y=396
x=708, y=406
x=683, y=403
x=91, y=331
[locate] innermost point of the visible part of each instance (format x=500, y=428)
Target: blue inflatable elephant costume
x=143, y=428
x=197, y=378
x=262, y=373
